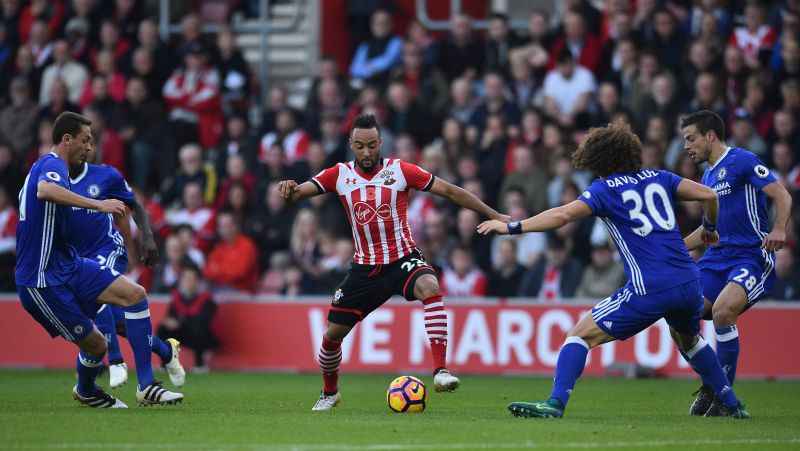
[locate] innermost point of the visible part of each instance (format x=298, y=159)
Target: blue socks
x=140, y=336
x=728, y=349
x=88, y=367
x=704, y=362
x=162, y=349
x=106, y=323
x=571, y=360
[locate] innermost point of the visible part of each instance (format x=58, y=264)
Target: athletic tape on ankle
x=701, y=343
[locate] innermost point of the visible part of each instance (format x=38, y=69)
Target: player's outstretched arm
x=705, y=234
x=292, y=192
x=464, y=198
x=149, y=254
x=783, y=209
x=60, y=195
x=546, y=220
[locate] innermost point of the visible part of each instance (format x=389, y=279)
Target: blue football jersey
x=738, y=177
x=93, y=232
x=44, y=254
x=637, y=209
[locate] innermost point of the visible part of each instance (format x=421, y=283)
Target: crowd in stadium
x=497, y=112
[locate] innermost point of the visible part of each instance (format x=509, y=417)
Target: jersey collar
x=81, y=176
x=722, y=157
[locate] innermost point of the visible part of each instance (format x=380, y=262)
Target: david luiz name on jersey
x=645, y=174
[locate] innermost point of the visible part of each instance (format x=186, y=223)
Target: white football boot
x=325, y=403
x=444, y=381
x=99, y=399
x=177, y=375
x=155, y=394
x=117, y=374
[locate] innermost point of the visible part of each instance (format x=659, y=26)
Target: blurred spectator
x=461, y=105
x=787, y=282
x=528, y=178
x=190, y=317
x=375, y=58
x=194, y=213
x=491, y=156
x=424, y=82
x=784, y=167
x=335, y=264
x=466, y=223
x=461, y=278
x=734, y=76
x=8, y=241
x=707, y=95
x=108, y=144
x=462, y=53
x=755, y=103
x=304, y=243
x=427, y=44
x=127, y=14
x=554, y=276
x=186, y=238
x=141, y=127
x=332, y=140
x=505, y=277
x=666, y=40
x=9, y=17
x=755, y=35
x=11, y=175
x=785, y=129
x=437, y=241
x=162, y=59
x=50, y=13
x=233, y=262
x=58, y=101
x=523, y=85
x=567, y=89
x=530, y=246
x=192, y=170
x=603, y=276
x=271, y=224
x=564, y=174
x=168, y=272
x=790, y=95
x=624, y=69
x=72, y=73
x=40, y=45
x=583, y=46
x=235, y=141
x=495, y=102
x=330, y=102
x=18, y=120
x=110, y=41
x=234, y=73
x=293, y=140
x=115, y=80
x=500, y=39
x=405, y=115
x=236, y=174
x=743, y=134
x=193, y=96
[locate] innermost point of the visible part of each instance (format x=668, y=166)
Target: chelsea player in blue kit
x=103, y=238
x=636, y=206
x=738, y=268
x=63, y=291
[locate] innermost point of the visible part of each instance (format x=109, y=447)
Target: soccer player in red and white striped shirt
x=374, y=194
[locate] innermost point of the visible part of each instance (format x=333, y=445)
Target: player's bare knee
x=135, y=294
x=337, y=332
x=724, y=315
x=426, y=287
x=94, y=344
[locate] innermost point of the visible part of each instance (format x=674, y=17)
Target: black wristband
x=514, y=228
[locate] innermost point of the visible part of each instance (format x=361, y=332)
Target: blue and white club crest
x=722, y=173
x=94, y=190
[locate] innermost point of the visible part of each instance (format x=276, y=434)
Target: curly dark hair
x=610, y=149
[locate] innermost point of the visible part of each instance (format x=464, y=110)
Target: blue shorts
x=68, y=309
x=114, y=258
x=625, y=314
x=750, y=268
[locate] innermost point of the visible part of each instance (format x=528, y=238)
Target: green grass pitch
x=254, y=411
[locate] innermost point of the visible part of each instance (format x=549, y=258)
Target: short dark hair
x=610, y=149
x=366, y=121
x=705, y=121
x=68, y=123
x=499, y=16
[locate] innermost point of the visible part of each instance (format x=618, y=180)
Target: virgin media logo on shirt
x=365, y=212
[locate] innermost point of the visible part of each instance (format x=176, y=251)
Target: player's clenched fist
x=287, y=188
x=112, y=206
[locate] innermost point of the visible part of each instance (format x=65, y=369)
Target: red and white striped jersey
x=376, y=206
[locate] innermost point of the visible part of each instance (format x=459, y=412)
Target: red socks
x=330, y=356
x=436, y=327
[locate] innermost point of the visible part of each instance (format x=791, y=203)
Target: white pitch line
x=410, y=447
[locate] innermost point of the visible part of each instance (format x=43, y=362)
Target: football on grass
x=407, y=394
